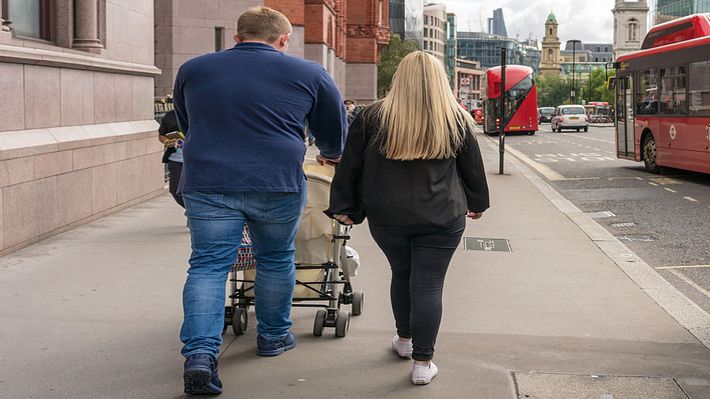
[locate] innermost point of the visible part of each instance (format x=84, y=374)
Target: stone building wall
x=77, y=138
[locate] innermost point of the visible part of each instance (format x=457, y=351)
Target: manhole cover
x=628, y=238
x=601, y=215
x=560, y=386
x=629, y=224
x=486, y=244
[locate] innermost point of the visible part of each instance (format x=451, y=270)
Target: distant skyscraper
x=667, y=10
x=496, y=25
x=414, y=21
x=396, y=15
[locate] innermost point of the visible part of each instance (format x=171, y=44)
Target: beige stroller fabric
x=314, y=239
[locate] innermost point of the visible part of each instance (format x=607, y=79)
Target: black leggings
x=419, y=258
x=174, y=172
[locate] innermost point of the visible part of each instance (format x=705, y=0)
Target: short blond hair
x=262, y=23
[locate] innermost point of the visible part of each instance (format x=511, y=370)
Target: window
x=633, y=30
x=549, y=56
x=647, y=93
x=218, y=39
x=29, y=17
x=699, y=86
x=673, y=98
x=550, y=31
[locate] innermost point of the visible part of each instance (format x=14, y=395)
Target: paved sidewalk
x=95, y=313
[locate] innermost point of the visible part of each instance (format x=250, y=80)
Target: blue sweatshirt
x=244, y=111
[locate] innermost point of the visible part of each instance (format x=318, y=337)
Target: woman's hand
x=344, y=219
x=474, y=215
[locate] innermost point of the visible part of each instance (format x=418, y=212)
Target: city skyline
x=582, y=21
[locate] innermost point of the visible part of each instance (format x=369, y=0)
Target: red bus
x=663, y=97
x=521, y=100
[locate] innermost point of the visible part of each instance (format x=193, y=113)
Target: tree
x=552, y=90
x=391, y=57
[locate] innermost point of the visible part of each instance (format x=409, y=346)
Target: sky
x=588, y=21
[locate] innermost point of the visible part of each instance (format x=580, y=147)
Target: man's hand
x=170, y=143
x=344, y=219
x=327, y=161
x=474, y=215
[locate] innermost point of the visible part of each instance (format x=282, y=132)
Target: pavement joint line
x=676, y=304
x=691, y=199
x=682, y=267
x=670, y=190
x=690, y=282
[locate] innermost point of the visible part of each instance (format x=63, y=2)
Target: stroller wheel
x=341, y=324
x=358, y=302
x=240, y=321
x=319, y=323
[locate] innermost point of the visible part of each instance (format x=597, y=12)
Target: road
x=663, y=218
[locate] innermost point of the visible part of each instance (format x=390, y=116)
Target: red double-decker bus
x=521, y=100
x=663, y=97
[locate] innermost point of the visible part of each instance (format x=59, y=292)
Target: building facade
x=630, y=25
x=550, y=63
x=414, y=21
x=435, y=39
x=451, y=48
x=346, y=37
x=396, y=15
x=496, y=24
x=77, y=138
x=469, y=77
x=485, y=49
x=667, y=10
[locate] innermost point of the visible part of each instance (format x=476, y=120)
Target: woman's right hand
x=474, y=215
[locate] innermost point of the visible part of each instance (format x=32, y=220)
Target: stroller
x=324, y=265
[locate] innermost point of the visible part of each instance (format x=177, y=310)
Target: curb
x=686, y=312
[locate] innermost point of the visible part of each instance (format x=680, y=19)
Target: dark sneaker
x=201, y=376
x=274, y=348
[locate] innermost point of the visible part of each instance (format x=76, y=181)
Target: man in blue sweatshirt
x=244, y=112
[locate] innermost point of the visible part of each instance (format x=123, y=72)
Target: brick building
x=345, y=36
x=77, y=135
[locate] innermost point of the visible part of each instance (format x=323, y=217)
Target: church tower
x=630, y=25
x=550, y=48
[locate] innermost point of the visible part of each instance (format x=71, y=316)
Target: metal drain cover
x=560, y=386
x=601, y=215
x=486, y=244
x=627, y=224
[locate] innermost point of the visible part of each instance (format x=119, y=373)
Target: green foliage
x=554, y=90
x=391, y=57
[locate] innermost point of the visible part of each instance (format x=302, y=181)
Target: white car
x=570, y=117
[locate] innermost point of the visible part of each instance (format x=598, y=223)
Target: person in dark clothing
x=173, y=153
x=413, y=168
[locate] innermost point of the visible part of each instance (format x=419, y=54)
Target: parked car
x=545, y=114
x=570, y=117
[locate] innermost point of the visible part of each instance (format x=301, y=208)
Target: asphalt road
x=665, y=219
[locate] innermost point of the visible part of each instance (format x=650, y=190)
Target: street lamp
x=574, y=69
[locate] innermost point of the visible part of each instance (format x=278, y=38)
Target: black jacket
x=168, y=125
x=405, y=193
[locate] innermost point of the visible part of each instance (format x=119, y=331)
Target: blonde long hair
x=420, y=115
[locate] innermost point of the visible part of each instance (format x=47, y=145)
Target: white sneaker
x=403, y=348
x=422, y=375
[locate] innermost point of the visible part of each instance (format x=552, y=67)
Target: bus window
x=673, y=101
x=700, y=88
x=647, y=93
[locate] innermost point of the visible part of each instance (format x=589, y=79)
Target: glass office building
x=485, y=48
x=667, y=10
x=414, y=21
x=396, y=15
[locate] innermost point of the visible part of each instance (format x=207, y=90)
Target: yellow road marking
x=691, y=283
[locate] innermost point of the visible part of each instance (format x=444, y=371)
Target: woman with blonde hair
x=413, y=168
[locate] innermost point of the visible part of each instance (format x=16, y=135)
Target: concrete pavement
x=95, y=312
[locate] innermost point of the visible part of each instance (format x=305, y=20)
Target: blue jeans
x=216, y=222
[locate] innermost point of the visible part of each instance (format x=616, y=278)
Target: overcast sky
x=588, y=21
